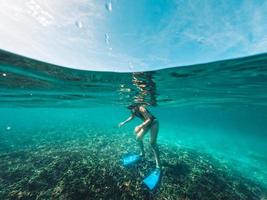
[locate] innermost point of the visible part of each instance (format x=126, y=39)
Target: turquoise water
x=217, y=109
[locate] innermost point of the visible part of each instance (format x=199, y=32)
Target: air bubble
x=131, y=65
x=107, y=38
x=4, y=74
x=8, y=128
x=78, y=24
x=109, y=6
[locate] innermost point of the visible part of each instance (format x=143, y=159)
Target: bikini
x=139, y=115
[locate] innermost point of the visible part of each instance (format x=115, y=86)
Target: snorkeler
x=149, y=123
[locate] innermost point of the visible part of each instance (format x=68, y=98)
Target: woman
x=149, y=123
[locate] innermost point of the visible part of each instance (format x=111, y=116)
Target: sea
x=60, y=139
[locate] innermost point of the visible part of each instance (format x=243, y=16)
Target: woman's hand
x=121, y=124
x=138, y=128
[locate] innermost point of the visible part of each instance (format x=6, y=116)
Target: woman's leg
x=139, y=139
x=153, y=142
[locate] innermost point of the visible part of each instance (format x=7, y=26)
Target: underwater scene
x=60, y=136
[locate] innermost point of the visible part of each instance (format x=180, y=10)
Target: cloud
x=47, y=30
x=40, y=14
x=210, y=30
x=88, y=34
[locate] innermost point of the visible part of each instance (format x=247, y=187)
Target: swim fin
x=129, y=159
x=153, y=179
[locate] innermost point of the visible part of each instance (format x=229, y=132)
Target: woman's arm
x=147, y=117
x=127, y=120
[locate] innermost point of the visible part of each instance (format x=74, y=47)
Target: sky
x=141, y=35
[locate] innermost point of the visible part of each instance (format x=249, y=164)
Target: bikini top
x=138, y=114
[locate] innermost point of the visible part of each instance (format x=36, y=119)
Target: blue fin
x=153, y=179
x=130, y=159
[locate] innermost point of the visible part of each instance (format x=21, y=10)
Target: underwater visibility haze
x=59, y=135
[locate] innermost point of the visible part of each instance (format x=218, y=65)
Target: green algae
x=89, y=167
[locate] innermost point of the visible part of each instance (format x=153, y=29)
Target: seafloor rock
x=89, y=167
